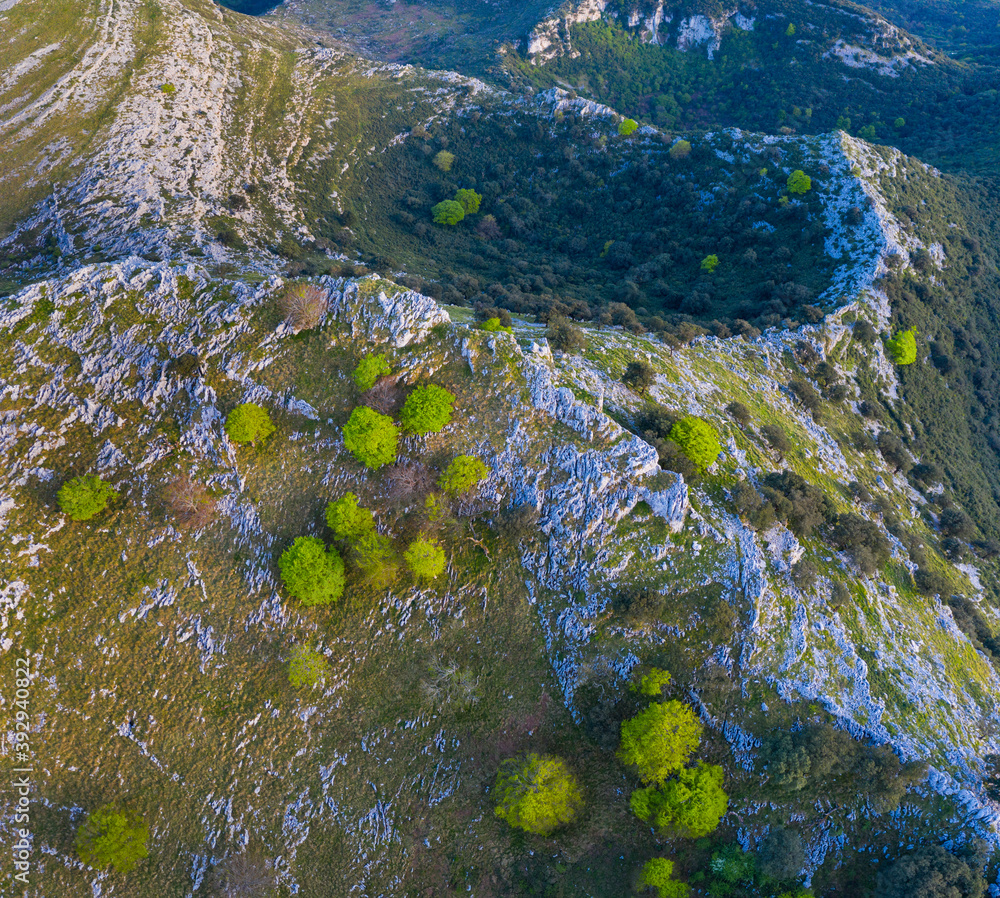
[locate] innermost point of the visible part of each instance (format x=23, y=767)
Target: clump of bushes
x=249, y=423
x=427, y=410
x=111, y=837
x=657, y=874
x=798, y=503
x=862, y=540
x=690, y=805
x=537, y=793
x=371, y=437
x=495, y=326
x=348, y=520
x=84, y=497
x=311, y=572
x=303, y=306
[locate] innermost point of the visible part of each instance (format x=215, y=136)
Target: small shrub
x=83, y=497
x=739, y=413
x=369, y=369
x=371, y=437
x=311, y=572
x=448, y=212
x=347, y=519
x=462, y=474
x=249, y=423
x=425, y=558
x=892, y=450
x=639, y=375
x=537, y=793
x=306, y=667
x=190, y=502
x=697, y=440
x=628, y=127
x=110, y=837
x=902, y=347
x=799, y=182
x=427, y=410
x=658, y=741
x=806, y=393
x=303, y=306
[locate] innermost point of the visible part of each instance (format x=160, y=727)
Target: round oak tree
x=448, y=212
x=348, y=520
x=248, y=423
x=799, y=182
x=311, y=572
x=111, y=837
x=371, y=437
x=369, y=370
x=83, y=497
x=469, y=200
x=462, y=474
x=537, y=793
x=628, y=127
x=690, y=805
x=425, y=558
x=659, y=740
x=697, y=439
x=427, y=410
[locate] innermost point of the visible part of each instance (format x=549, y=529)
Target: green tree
x=653, y=683
x=899, y=123
x=311, y=572
x=537, y=793
x=377, y=559
x=83, y=497
x=371, y=437
x=697, y=439
x=469, y=200
x=659, y=740
x=689, y=806
x=710, y=263
x=462, y=474
x=628, y=127
x=348, y=520
x=369, y=370
x=444, y=160
x=930, y=872
x=111, y=837
x=799, y=182
x=658, y=874
x=494, y=326
x=248, y=423
x=425, y=558
x=306, y=667
x=448, y=212
x=790, y=30
x=639, y=375
x=902, y=347
x=427, y=410
x=681, y=149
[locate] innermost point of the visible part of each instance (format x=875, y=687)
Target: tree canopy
x=369, y=369
x=306, y=667
x=348, y=520
x=697, y=440
x=110, y=837
x=658, y=874
x=427, y=409
x=448, y=212
x=690, y=805
x=469, y=200
x=659, y=740
x=425, y=558
x=902, y=347
x=311, y=572
x=371, y=437
x=462, y=474
x=537, y=793
x=799, y=182
x=248, y=423
x=628, y=127
x=85, y=496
